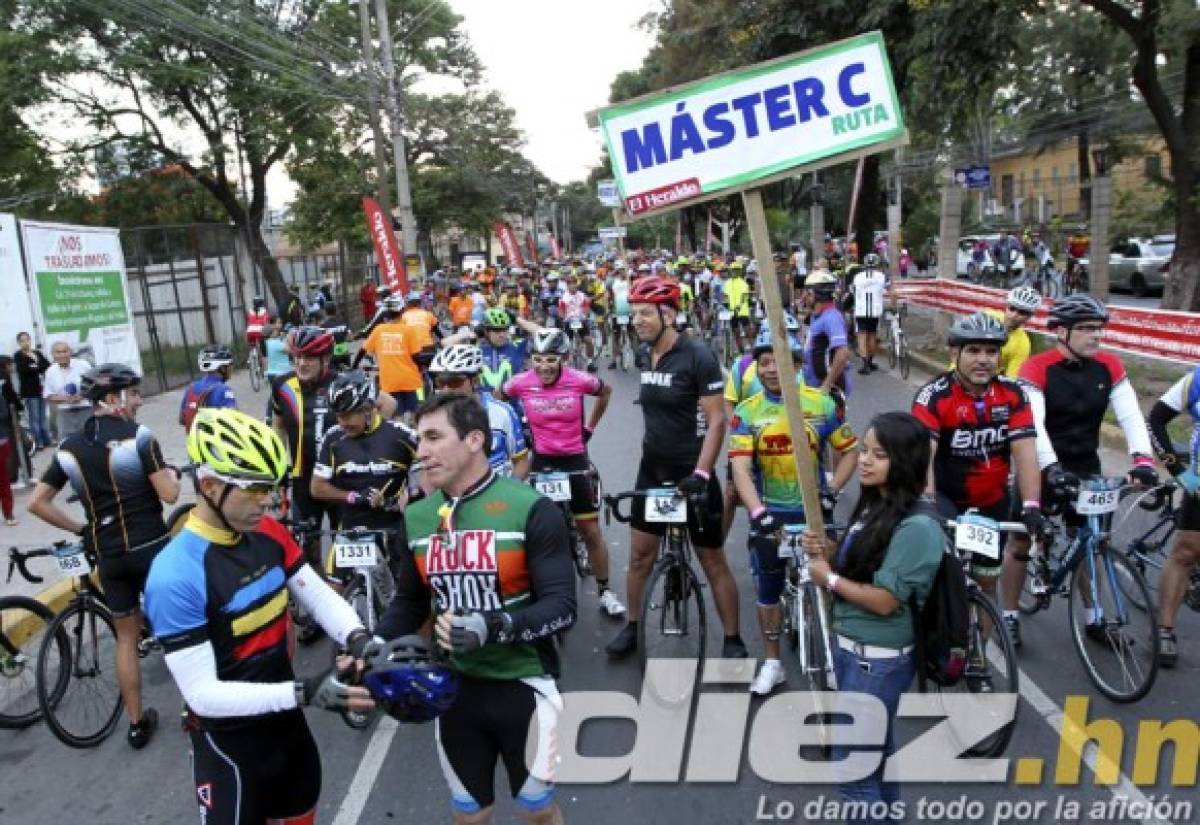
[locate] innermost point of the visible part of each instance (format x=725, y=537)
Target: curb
x=1111, y=437
x=56, y=597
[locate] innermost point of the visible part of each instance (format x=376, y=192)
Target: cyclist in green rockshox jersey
x=488, y=559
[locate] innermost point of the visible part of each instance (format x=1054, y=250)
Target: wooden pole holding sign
x=760, y=239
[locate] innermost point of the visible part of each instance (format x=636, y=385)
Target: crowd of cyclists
x=460, y=392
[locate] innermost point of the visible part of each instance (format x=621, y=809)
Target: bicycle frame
x=798, y=561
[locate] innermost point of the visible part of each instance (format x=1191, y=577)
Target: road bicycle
x=360, y=560
x=805, y=620
x=672, y=623
x=622, y=342
x=1117, y=645
x=991, y=661
x=254, y=366
x=556, y=486
x=722, y=335
x=578, y=335
x=1076, y=280
x=24, y=625
x=1147, y=548
x=77, y=689
x=896, y=340
x=1047, y=280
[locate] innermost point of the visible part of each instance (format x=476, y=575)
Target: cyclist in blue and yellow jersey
x=503, y=357
x=764, y=472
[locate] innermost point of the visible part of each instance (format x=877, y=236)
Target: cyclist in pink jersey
x=552, y=395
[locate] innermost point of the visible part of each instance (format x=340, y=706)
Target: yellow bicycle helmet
x=236, y=447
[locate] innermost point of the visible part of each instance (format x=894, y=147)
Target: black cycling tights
x=268, y=772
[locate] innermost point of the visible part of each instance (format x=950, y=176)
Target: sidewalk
x=161, y=414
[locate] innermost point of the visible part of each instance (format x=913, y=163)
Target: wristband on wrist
x=702, y=473
x=757, y=511
x=831, y=582
x=351, y=498
x=1140, y=460
x=1032, y=504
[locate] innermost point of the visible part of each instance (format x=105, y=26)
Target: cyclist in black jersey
x=363, y=462
x=1070, y=389
x=217, y=600
x=116, y=468
x=681, y=399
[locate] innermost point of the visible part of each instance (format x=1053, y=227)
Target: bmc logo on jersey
x=979, y=439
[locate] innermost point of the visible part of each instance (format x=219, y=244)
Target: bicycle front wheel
x=256, y=371
x=85, y=712
x=991, y=668
x=672, y=630
x=905, y=361
x=24, y=626
x=356, y=596
x=1117, y=644
x=818, y=667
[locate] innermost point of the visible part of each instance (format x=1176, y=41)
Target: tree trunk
x=1181, y=291
x=866, y=214
x=260, y=255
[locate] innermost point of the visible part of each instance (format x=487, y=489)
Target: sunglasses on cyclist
x=546, y=360
x=452, y=382
x=253, y=488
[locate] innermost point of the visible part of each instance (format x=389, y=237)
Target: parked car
x=965, y=265
x=1140, y=265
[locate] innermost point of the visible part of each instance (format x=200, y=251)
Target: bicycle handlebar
x=17, y=561
x=612, y=503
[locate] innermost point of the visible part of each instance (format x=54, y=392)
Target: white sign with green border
x=78, y=277
x=733, y=130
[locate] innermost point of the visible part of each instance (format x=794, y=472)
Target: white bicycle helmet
x=550, y=342
x=1025, y=298
x=458, y=359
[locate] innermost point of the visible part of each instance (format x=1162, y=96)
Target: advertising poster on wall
x=16, y=308
x=77, y=274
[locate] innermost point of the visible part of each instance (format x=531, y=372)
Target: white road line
x=368, y=771
x=1052, y=714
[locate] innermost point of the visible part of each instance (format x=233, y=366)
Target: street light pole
x=385, y=195
x=408, y=220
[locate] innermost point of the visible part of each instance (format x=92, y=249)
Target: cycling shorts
x=616, y=324
x=407, y=401
x=1188, y=515
x=599, y=312
x=766, y=566
x=704, y=527
x=743, y=321
x=866, y=325
x=266, y=771
x=123, y=577
x=585, y=495
x=490, y=721
x=1000, y=511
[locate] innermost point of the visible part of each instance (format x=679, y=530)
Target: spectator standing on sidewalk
x=31, y=366
x=60, y=387
x=10, y=410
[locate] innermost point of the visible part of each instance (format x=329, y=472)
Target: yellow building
x=1033, y=187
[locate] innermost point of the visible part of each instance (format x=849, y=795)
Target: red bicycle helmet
x=310, y=341
x=653, y=289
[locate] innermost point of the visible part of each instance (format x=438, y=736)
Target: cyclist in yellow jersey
x=736, y=292
x=1023, y=302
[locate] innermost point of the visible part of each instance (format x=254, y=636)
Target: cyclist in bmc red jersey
x=981, y=424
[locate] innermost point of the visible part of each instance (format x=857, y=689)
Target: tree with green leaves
x=224, y=89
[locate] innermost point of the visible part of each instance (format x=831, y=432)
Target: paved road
x=391, y=774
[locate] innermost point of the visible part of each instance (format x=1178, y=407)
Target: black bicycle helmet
x=351, y=391
x=1074, y=309
x=979, y=328
x=100, y=381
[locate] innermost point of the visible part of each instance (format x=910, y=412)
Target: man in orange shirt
x=394, y=343
x=461, y=307
x=425, y=329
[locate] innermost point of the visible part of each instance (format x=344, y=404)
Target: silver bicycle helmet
x=1074, y=309
x=213, y=358
x=979, y=328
